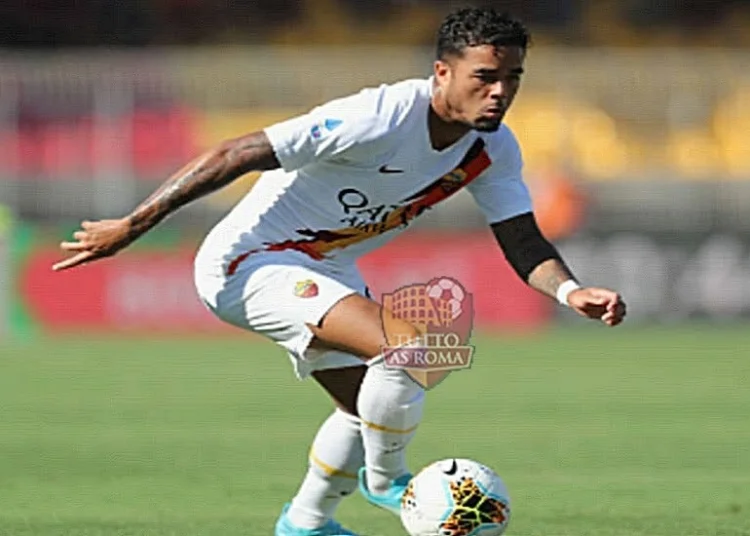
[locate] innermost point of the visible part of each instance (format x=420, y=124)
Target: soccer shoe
x=391, y=499
x=284, y=527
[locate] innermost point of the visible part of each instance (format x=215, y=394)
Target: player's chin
x=487, y=124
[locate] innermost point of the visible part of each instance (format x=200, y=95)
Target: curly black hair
x=471, y=26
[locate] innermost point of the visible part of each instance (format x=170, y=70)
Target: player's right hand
x=598, y=304
x=96, y=240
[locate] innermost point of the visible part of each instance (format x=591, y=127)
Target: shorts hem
x=304, y=367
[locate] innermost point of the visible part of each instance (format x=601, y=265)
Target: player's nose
x=499, y=91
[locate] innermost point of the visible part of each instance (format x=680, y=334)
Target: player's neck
x=444, y=132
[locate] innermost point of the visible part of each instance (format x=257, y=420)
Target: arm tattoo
x=207, y=173
x=549, y=275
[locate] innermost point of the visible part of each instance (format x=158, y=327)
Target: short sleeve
x=501, y=192
x=328, y=131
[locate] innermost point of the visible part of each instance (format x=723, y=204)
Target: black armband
x=523, y=244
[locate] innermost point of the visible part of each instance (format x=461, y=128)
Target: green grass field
x=597, y=432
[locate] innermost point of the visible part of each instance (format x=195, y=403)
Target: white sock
x=390, y=406
x=335, y=457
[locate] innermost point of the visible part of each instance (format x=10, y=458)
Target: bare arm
x=209, y=172
x=548, y=276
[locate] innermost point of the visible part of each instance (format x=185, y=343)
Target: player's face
x=480, y=86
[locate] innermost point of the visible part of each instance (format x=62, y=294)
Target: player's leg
x=295, y=306
x=388, y=402
x=388, y=398
x=336, y=454
x=264, y=298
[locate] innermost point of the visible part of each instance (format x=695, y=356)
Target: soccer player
x=338, y=182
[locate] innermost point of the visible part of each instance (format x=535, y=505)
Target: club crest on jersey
x=453, y=180
x=306, y=289
x=325, y=126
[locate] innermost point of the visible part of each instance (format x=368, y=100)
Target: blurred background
x=633, y=117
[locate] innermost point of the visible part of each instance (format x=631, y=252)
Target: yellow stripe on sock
x=387, y=430
x=329, y=470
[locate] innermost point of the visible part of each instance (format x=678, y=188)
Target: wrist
x=564, y=290
x=141, y=221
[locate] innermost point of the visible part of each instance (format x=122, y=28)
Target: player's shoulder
x=388, y=104
x=502, y=144
x=401, y=96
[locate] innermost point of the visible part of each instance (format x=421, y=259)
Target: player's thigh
x=361, y=326
x=312, y=313
x=303, y=308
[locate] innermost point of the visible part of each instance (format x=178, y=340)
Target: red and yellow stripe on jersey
x=318, y=244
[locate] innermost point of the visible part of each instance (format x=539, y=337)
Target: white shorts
x=277, y=294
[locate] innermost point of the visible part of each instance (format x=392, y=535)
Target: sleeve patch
x=324, y=127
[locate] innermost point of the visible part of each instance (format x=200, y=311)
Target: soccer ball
x=455, y=497
x=449, y=290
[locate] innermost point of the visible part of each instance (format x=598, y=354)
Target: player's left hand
x=598, y=304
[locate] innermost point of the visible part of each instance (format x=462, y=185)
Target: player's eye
x=486, y=78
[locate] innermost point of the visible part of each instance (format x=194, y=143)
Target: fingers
x=82, y=238
x=75, y=260
x=74, y=246
x=605, y=297
x=83, y=242
x=94, y=240
x=80, y=245
x=599, y=304
x=615, y=316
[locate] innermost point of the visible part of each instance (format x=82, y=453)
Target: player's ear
x=442, y=71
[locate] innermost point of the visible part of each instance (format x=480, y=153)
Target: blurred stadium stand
x=124, y=119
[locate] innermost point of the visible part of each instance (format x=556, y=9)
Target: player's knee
x=349, y=406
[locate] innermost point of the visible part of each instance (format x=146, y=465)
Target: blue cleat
x=284, y=527
x=391, y=499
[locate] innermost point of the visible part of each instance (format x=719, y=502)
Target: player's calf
x=390, y=405
x=335, y=457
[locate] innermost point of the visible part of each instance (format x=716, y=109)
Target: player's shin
x=390, y=406
x=335, y=457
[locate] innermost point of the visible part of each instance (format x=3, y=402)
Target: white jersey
x=356, y=171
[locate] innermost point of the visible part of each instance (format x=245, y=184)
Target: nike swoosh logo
x=385, y=169
x=453, y=469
